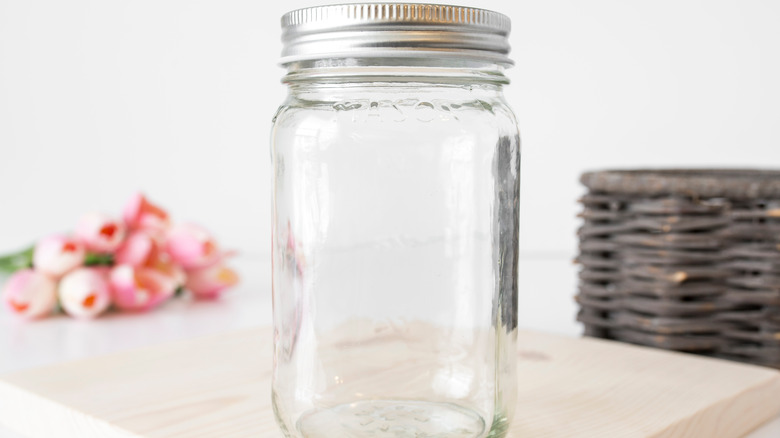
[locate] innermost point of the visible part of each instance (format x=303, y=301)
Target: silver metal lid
x=402, y=30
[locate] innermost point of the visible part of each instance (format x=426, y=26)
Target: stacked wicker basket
x=685, y=260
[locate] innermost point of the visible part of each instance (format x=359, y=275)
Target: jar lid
x=402, y=30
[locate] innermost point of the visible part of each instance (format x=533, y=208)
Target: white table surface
x=547, y=285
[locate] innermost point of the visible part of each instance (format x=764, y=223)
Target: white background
x=101, y=98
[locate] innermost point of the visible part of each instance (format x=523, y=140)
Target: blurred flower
x=100, y=233
x=211, y=281
x=192, y=247
x=136, y=263
x=139, y=288
x=136, y=250
x=141, y=250
x=293, y=253
x=84, y=293
x=139, y=213
x=163, y=264
x=58, y=255
x=30, y=294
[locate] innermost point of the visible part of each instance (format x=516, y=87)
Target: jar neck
x=399, y=72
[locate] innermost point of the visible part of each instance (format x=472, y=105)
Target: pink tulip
x=294, y=252
x=141, y=250
x=30, y=294
x=210, y=282
x=192, y=247
x=139, y=213
x=84, y=293
x=163, y=264
x=58, y=255
x=139, y=288
x=100, y=233
x=136, y=250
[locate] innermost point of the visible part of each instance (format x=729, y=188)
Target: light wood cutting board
x=219, y=387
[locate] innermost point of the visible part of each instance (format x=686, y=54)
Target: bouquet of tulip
x=133, y=264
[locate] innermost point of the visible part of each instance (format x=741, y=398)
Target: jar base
x=392, y=419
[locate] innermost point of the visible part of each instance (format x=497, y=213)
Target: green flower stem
x=19, y=260
x=93, y=259
x=11, y=263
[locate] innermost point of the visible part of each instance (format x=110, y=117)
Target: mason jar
x=396, y=169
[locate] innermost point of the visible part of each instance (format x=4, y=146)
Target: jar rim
x=395, y=69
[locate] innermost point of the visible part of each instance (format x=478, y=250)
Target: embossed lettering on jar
x=395, y=218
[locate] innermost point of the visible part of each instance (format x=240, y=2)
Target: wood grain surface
x=219, y=387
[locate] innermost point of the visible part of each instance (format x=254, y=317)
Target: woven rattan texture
x=681, y=271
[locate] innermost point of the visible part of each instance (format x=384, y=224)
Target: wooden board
x=219, y=387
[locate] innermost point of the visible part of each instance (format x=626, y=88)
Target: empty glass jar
x=395, y=216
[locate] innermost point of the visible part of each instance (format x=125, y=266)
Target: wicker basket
x=685, y=260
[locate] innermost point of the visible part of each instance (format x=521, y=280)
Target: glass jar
x=395, y=222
